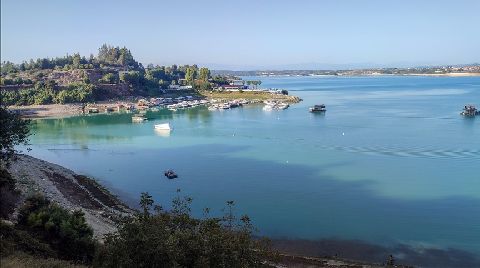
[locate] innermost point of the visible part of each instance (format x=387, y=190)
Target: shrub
x=175, y=239
x=109, y=78
x=13, y=131
x=9, y=97
x=75, y=92
x=8, y=195
x=67, y=233
x=15, y=240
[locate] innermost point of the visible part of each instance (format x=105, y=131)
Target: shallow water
x=390, y=162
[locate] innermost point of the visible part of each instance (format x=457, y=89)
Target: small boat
x=93, y=110
x=171, y=174
x=164, y=126
x=225, y=106
x=267, y=107
x=318, y=108
x=282, y=106
x=470, y=110
x=138, y=118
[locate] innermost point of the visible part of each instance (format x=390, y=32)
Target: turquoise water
x=390, y=162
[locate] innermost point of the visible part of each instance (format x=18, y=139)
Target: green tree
x=13, y=131
x=132, y=78
x=66, y=232
x=109, y=78
x=190, y=75
x=76, y=60
x=176, y=239
x=204, y=74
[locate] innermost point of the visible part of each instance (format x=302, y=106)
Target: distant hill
x=113, y=73
x=422, y=70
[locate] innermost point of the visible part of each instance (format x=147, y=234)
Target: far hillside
x=112, y=74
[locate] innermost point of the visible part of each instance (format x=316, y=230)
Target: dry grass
x=230, y=95
x=20, y=260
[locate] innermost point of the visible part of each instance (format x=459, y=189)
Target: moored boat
x=138, y=118
x=318, y=108
x=170, y=174
x=164, y=126
x=470, y=110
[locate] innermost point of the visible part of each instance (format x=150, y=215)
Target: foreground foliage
x=176, y=239
x=21, y=260
x=8, y=194
x=13, y=131
x=66, y=233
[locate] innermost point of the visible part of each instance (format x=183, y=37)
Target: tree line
x=117, y=66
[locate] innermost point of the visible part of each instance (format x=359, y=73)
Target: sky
x=242, y=35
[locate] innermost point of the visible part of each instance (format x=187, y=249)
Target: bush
x=67, y=233
x=13, y=131
x=75, y=92
x=109, y=78
x=15, y=240
x=175, y=239
x=9, y=97
x=8, y=195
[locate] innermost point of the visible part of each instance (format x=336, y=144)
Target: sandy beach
x=48, y=110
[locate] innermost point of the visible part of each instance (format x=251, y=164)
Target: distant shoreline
x=42, y=111
x=375, y=74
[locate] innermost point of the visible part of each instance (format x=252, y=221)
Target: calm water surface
x=390, y=162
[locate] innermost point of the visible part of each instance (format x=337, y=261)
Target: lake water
x=391, y=161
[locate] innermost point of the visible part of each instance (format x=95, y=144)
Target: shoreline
x=103, y=210
x=72, y=191
x=43, y=111
x=375, y=74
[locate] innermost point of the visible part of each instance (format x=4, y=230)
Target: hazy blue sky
x=248, y=34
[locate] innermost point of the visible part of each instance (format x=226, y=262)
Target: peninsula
x=62, y=86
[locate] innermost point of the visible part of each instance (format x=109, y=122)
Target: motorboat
x=282, y=106
x=470, y=110
x=170, y=174
x=318, y=108
x=164, y=126
x=225, y=106
x=138, y=118
x=267, y=107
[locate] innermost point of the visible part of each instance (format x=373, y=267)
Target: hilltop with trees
x=112, y=73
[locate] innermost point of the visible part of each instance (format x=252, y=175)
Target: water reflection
x=165, y=133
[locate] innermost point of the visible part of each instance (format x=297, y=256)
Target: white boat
x=282, y=106
x=164, y=126
x=225, y=106
x=138, y=118
x=267, y=108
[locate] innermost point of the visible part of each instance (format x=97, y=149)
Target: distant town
x=452, y=70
